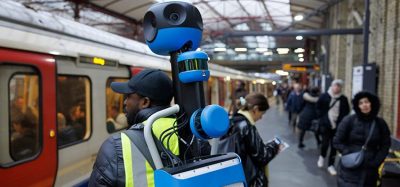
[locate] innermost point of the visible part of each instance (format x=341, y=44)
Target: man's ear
x=145, y=102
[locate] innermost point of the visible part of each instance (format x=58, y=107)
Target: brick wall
x=384, y=49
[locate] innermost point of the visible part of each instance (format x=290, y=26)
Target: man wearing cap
x=332, y=107
x=119, y=161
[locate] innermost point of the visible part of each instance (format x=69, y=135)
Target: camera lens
x=153, y=22
x=174, y=16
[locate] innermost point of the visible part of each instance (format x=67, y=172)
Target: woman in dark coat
x=351, y=136
x=308, y=113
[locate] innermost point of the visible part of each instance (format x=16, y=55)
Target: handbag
x=354, y=160
x=316, y=123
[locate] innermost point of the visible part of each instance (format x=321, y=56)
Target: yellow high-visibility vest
x=138, y=171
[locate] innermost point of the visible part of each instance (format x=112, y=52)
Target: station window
x=115, y=117
x=73, y=109
x=24, y=115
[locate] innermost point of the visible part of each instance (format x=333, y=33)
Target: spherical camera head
x=209, y=122
x=193, y=67
x=172, y=26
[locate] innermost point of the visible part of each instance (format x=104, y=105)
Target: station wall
x=346, y=51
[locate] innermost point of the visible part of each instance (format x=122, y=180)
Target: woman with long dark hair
x=362, y=129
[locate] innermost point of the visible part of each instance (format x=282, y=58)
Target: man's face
x=133, y=104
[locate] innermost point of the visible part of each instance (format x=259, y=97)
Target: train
x=55, y=75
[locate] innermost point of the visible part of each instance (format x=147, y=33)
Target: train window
x=73, y=109
x=24, y=116
x=115, y=117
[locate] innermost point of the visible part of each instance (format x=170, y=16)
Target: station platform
x=294, y=166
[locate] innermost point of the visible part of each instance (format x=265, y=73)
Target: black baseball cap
x=151, y=83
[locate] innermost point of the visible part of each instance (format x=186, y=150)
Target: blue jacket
x=295, y=102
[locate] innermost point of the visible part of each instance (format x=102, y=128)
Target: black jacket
x=108, y=170
x=351, y=136
x=253, y=152
x=323, y=105
x=308, y=113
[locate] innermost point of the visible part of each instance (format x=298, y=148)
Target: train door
x=28, y=155
x=83, y=93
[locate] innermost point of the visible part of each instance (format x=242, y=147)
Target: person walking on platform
x=362, y=130
x=240, y=92
x=332, y=107
x=247, y=142
x=295, y=104
x=119, y=162
x=308, y=114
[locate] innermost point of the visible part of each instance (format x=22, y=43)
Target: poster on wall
x=357, y=80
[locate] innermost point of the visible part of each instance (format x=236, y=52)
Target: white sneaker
x=320, y=161
x=332, y=170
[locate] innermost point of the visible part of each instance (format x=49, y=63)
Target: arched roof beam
x=314, y=13
x=106, y=11
x=217, y=13
x=268, y=14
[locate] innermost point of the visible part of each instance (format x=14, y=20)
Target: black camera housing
x=171, y=26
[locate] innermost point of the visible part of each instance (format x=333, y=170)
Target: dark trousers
x=293, y=119
x=327, y=141
x=303, y=132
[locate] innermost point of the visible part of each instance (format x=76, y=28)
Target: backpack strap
x=137, y=137
x=238, y=118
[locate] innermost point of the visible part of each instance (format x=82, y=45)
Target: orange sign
x=300, y=67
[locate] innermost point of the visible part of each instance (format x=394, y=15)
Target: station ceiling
x=220, y=17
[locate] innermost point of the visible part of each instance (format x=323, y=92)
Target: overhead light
x=283, y=51
x=281, y=73
x=300, y=55
x=267, y=53
x=257, y=74
x=301, y=59
x=220, y=49
x=273, y=83
x=240, y=49
x=261, y=49
x=298, y=17
x=299, y=50
x=227, y=78
x=54, y=52
x=299, y=37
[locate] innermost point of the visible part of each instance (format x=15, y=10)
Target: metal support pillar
x=366, y=32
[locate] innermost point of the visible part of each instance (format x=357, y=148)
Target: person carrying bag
x=364, y=141
x=332, y=107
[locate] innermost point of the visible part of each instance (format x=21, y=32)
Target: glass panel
x=116, y=119
x=73, y=109
x=24, y=116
